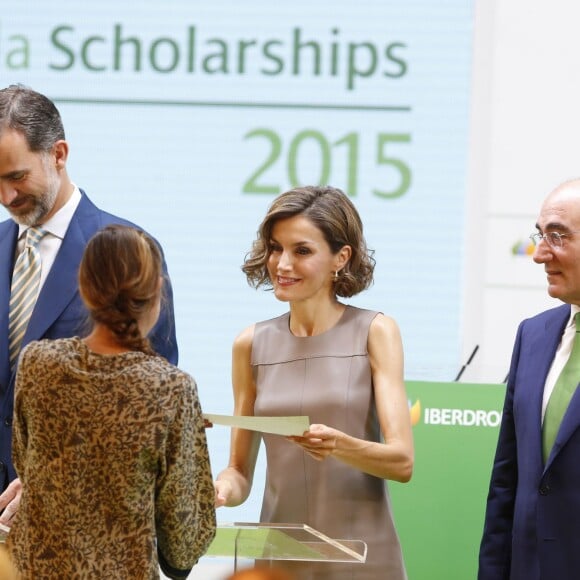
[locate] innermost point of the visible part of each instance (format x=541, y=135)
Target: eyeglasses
x=553, y=239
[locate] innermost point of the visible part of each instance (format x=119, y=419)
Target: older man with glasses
x=532, y=522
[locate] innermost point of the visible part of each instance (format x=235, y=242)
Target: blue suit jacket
x=532, y=523
x=59, y=311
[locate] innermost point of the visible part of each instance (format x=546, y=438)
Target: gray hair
x=31, y=114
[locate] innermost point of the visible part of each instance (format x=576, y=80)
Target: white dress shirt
x=560, y=358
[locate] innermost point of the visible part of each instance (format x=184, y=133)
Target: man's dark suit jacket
x=532, y=523
x=59, y=311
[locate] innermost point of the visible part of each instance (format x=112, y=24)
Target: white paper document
x=276, y=425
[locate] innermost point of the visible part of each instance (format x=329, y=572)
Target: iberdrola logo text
x=455, y=417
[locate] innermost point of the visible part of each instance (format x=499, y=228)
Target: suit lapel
x=8, y=238
x=571, y=419
x=570, y=423
x=61, y=283
x=542, y=338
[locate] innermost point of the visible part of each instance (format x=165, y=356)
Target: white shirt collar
x=574, y=309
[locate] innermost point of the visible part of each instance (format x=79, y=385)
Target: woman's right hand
x=223, y=492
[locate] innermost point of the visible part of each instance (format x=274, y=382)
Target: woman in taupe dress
x=340, y=365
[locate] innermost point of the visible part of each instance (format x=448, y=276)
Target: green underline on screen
x=232, y=105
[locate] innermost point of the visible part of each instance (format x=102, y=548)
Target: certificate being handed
x=277, y=425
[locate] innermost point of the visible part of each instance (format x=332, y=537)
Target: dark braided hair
x=119, y=282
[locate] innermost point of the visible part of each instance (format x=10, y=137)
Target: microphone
x=461, y=371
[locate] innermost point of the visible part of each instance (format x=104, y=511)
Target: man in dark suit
x=36, y=191
x=532, y=522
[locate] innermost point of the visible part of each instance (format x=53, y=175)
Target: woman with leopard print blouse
x=109, y=439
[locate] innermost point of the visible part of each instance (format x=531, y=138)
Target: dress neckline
x=338, y=323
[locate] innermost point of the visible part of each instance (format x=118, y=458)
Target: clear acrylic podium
x=261, y=541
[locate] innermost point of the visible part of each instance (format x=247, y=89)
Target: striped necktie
x=24, y=290
x=561, y=395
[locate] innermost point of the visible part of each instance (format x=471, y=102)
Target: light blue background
x=178, y=170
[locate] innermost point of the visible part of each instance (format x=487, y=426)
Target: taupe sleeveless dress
x=328, y=378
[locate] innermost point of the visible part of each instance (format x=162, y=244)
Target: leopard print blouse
x=112, y=454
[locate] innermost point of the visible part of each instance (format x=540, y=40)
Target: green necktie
x=561, y=395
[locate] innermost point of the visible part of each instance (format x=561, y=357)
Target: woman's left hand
x=319, y=441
